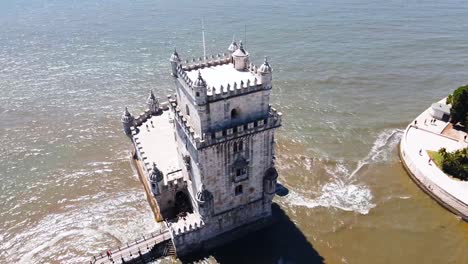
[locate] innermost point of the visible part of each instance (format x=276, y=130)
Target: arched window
x=234, y=147
x=234, y=113
x=238, y=189
x=187, y=110
x=241, y=145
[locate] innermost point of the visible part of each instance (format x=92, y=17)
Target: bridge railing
x=144, y=242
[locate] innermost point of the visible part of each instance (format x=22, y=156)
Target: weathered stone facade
x=224, y=134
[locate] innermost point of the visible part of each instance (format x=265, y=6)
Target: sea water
x=348, y=76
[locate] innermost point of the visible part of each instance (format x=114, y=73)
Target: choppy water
x=348, y=76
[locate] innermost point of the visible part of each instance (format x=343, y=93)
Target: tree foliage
x=459, y=101
x=455, y=163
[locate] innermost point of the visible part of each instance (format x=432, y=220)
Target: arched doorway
x=234, y=113
x=182, y=204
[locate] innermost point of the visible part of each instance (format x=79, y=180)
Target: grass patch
x=436, y=158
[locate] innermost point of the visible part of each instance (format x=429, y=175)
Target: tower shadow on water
x=280, y=242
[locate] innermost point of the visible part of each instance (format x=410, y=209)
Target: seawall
x=442, y=196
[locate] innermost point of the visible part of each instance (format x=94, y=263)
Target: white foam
x=343, y=192
x=103, y=221
x=347, y=197
x=381, y=149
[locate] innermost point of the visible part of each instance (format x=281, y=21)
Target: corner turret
x=153, y=103
x=199, y=87
x=175, y=62
x=269, y=182
x=265, y=74
x=127, y=121
x=205, y=202
x=155, y=178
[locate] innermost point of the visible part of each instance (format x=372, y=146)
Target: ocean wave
x=347, y=197
x=344, y=191
x=381, y=149
x=104, y=221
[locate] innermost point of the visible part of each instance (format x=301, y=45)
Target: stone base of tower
x=220, y=228
x=184, y=249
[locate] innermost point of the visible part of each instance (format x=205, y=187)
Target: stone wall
x=218, y=171
x=440, y=195
x=249, y=107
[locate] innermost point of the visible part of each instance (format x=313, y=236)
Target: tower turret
x=265, y=74
x=269, y=182
x=153, y=103
x=233, y=47
x=127, y=122
x=155, y=178
x=240, y=58
x=205, y=202
x=199, y=86
x=175, y=62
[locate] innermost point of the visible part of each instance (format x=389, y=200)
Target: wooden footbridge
x=156, y=245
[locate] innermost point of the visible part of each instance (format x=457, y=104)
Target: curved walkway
x=420, y=137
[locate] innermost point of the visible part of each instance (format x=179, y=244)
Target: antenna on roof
x=203, y=38
x=245, y=35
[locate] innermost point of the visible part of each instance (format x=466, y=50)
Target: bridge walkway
x=157, y=244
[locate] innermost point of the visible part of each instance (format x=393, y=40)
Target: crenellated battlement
x=272, y=121
x=190, y=223
x=188, y=129
x=208, y=61
x=249, y=81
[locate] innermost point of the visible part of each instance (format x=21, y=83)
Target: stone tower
x=224, y=128
x=207, y=155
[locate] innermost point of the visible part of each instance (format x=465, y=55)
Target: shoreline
x=423, y=180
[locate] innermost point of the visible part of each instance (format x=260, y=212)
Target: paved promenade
x=424, y=135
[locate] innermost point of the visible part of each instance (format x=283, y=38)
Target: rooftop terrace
x=156, y=143
x=222, y=75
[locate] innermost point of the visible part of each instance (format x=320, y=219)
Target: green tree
x=459, y=101
x=455, y=163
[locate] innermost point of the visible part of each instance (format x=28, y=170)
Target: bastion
x=431, y=131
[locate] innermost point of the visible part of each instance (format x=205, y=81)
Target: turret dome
x=265, y=67
x=127, y=117
x=204, y=195
x=199, y=82
x=271, y=174
x=175, y=56
x=233, y=47
x=156, y=175
x=240, y=58
x=151, y=97
x=240, y=52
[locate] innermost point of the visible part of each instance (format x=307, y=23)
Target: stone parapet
x=273, y=120
x=225, y=91
x=186, y=225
